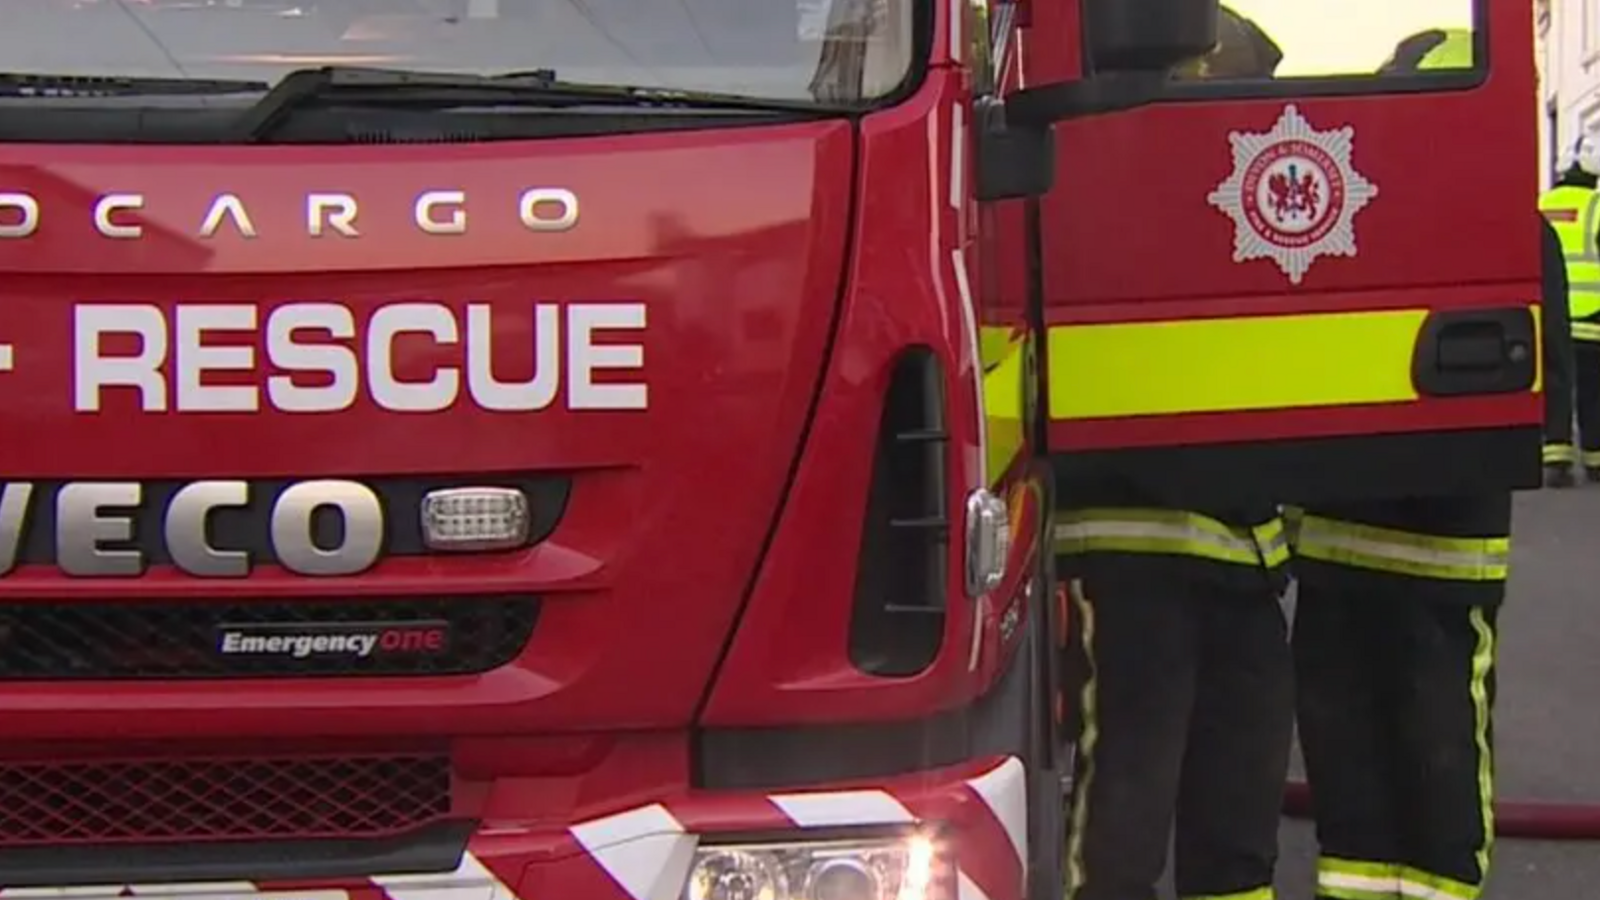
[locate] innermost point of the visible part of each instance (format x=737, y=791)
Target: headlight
x=899, y=868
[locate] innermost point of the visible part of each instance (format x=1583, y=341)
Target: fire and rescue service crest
x=1293, y=195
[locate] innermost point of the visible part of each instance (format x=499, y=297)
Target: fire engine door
x=1306, y=267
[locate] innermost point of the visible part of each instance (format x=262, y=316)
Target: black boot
x=1591, y=474
x=1560, y=476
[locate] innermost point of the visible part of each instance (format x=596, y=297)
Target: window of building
x=1589, y=16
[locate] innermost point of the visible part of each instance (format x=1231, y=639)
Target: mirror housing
x=1130, y=50
x=1012, y=163
x=1146, y=35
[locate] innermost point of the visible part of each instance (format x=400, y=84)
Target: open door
x=1314, y=281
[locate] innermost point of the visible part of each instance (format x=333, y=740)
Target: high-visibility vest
x=1574, y=213
x=1454, y=52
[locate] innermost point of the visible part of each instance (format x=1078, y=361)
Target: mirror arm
x=1108, y=92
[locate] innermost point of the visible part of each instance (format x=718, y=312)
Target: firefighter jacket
x=1555, y=332
x=1574, y=213
x=1232, y=541
x=1442, y=549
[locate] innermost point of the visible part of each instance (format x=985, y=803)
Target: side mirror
x=1147, y=35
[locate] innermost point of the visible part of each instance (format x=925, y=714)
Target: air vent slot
x=902, y=579
x=393, y=136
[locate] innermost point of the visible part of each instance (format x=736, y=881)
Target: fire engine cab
x=608, y=451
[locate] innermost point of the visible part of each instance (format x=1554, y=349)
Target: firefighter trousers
x=1394, y=646
x=1185, y=718
x=1586, y=381
x=1559, y=389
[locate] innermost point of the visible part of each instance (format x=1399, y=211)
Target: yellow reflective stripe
x=1348, y=879
x=1264, y=893
x=1001, y=349
x=1415, y=883
x=1583, y=294
x=1582, y=273
x=995, y=342
x=1557, y=453
x=1537, y=312
x=1088, y=741
x=1482, y=669
x=1586, y=331
x=1250, y=362
x=1591, y=458
x=1173, y=532
x=1402, y=552
x=1272, y=541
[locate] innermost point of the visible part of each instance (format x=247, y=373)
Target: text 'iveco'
x=94, y=533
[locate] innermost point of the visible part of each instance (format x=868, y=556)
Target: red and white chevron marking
x=645, y=853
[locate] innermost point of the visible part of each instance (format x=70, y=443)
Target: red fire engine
x=438, y=486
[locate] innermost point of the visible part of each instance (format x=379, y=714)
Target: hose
x=1526, y=819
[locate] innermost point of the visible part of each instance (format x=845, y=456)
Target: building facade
x=1569, y=74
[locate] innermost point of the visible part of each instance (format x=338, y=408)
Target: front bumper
x=645, y=850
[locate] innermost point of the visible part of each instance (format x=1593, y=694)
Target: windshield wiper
x=26, y=84
x=352, y=85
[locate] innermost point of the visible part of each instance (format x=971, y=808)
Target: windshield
x=1321, y=38
x=834, y=50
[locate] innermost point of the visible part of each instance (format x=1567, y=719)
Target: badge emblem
x=1293, y=195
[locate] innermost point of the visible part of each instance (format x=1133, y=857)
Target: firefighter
x=1242, y=50
x=1572, y=207
x=1394, y=644
x=1558, y=362
x=1434, y=49
x=1185, y=699
x=1185, y=696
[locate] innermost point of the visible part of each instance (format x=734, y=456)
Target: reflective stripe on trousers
x=1401, y=552
x=1174, y=532
x=1088, y=740
x=1585, y=331
x=1558, y=453
x=1343, y=879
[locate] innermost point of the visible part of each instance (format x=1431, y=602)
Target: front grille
x=183, y=639
x=97, y=802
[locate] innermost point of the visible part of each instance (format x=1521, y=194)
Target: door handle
x=1477, y=351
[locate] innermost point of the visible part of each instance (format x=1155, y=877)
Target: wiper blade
x=26, y=84
x=352, y=85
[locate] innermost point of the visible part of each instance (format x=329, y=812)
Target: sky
x=1325, y=37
